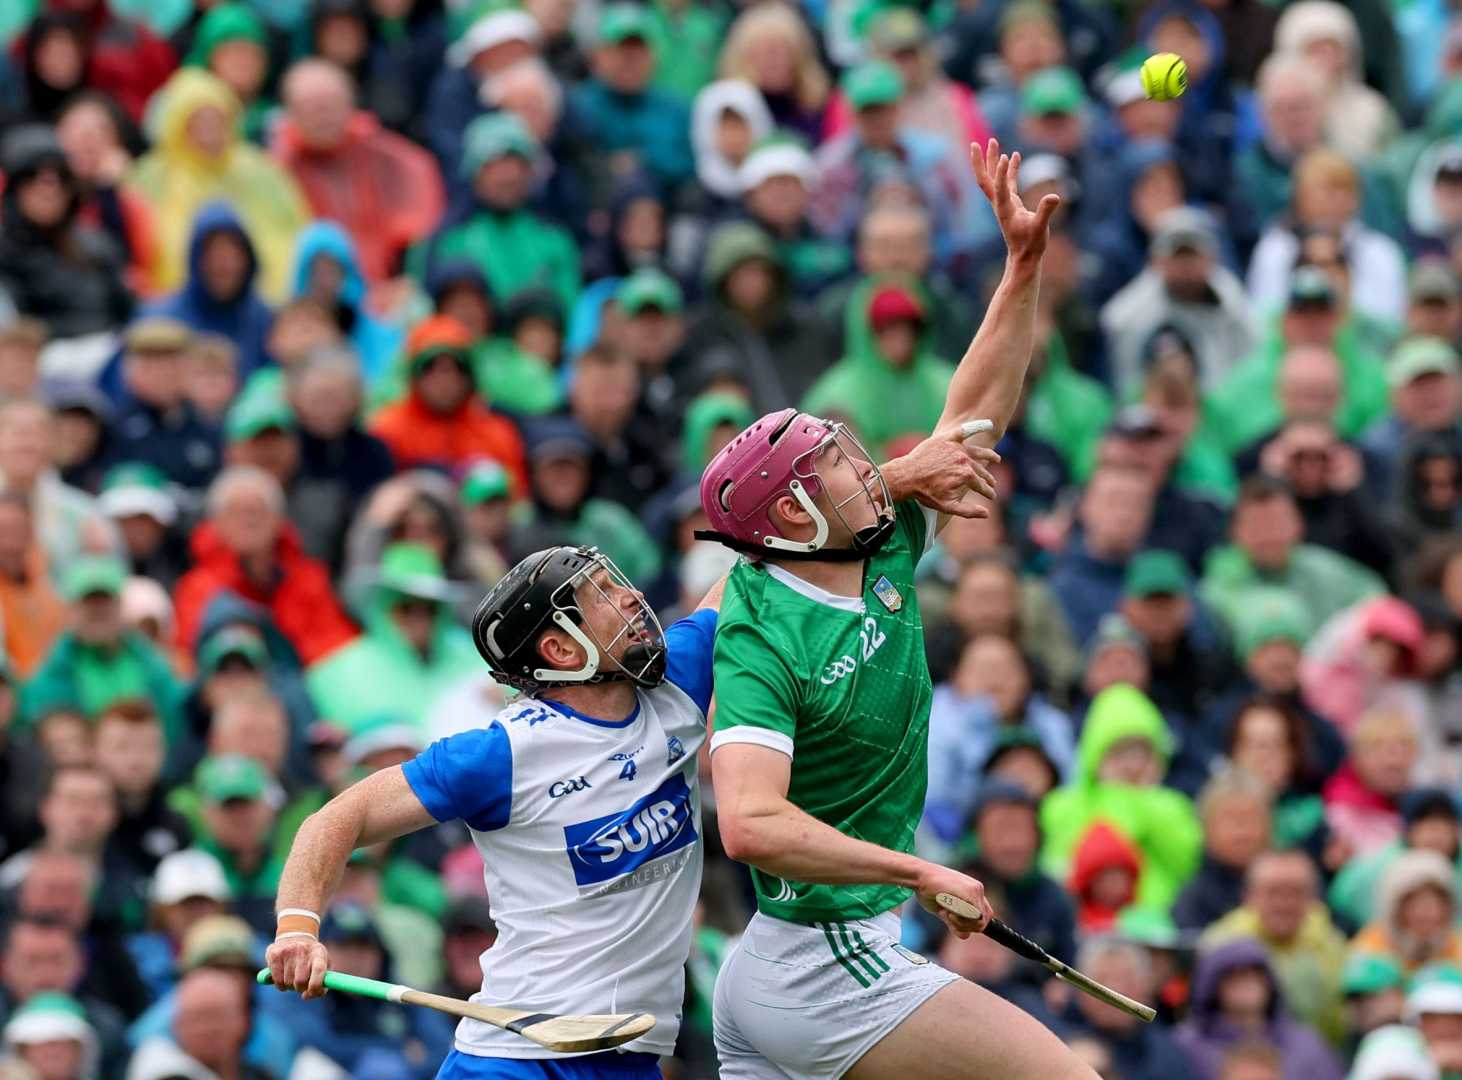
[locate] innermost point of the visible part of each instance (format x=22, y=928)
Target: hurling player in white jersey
x=582, y=799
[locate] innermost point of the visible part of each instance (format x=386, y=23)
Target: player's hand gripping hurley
x=1024, y=946
x=563, y=1034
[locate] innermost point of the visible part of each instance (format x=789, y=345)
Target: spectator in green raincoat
x=98, y=660
x=1121, y=757
x=890, y=384
x=410, y=652
x=515, y=248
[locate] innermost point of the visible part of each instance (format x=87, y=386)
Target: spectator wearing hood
x=219, y=295
x=1429, y=502
x=729, y=118
x=96, y=661
x=1415, y=919
x=156, y=424
x=136, y=497
x=1283, y=912
x=1184, y=287
x=1425, y=379
x=53, y=267
x=441, y=422
x=1124, y=749
x=752, y=330
x=248, y=547
x=622, y=114
x=559, y=461
x=51, y=1034
x=1237, y=998
x=1327, y=198
x=890, y=384
x=410, y=651
x=1359, y=122
x=327, y=269
x=1266, y=553
x=1141, y=1051
x=989, y=691
x=200, y=157
x=514, y=247
x=232, y=42
x=1369, y=657
x=882, y=150
x=1104, y=873
x=383, y=189
x=639, y=233
x=40, y=90
x=1237, y=818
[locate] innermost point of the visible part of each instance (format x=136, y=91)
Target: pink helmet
x=776, y=456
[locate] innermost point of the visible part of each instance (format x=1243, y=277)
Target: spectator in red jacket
x=441, y=422
x=385, y=190
x=128, y=61
x=248, y=547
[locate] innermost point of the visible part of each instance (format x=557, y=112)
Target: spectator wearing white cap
x=1434, y=1006
x=1393, y=1052
x=50, y=1033
x=188, y=886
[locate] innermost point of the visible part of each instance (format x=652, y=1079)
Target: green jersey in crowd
x=840, y=685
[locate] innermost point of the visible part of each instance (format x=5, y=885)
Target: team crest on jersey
x=887, y=594
x=674, y=750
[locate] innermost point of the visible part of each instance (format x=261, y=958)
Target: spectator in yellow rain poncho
x=198, y=157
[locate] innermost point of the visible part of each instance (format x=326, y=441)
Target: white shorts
x=807, y=1002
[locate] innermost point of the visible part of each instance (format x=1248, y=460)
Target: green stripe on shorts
x=847, y=965
x=869, y=951
x=857, y=954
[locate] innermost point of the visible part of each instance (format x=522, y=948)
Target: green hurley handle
x=350, y=984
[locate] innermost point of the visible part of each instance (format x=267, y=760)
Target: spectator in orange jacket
x=441, y=422
x=385, y=190
x=248, y=547
x=32, y=615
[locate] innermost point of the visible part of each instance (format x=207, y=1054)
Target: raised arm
x=381, y=807
x=988, y=381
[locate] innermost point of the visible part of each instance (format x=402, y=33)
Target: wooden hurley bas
x=563, y=1034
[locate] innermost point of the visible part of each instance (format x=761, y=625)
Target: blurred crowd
x=317, y=314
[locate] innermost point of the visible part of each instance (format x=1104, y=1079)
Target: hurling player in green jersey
x=820, y=750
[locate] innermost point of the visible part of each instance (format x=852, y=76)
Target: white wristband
x=295, y=933
x=306, y=912
x=970, y=428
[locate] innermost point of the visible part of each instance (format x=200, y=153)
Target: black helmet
x=540, y=593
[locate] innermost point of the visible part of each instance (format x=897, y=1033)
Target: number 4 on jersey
x=628, y=772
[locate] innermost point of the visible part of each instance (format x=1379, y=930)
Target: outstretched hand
x=1025, y=231
x=945, y=474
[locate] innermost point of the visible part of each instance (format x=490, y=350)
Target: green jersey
x=840, y=685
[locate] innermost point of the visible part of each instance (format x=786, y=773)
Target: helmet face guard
x=746, y=523
x=644, y=659
x=557, y=590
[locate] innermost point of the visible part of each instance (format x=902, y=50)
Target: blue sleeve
x=688, y=650
x=466, y=777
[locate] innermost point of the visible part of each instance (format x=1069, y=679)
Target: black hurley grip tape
x=517, y=1026
x=1016, y=942
x=630, y=1019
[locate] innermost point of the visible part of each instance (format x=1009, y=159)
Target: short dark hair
x=1262, y=488
x=129, y=711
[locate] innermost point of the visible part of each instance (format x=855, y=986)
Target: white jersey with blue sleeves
x=590, y=834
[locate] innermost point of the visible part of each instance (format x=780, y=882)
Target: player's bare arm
x=380, y=807
x=944, y=473
x=761, y=827
x=988, y=381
